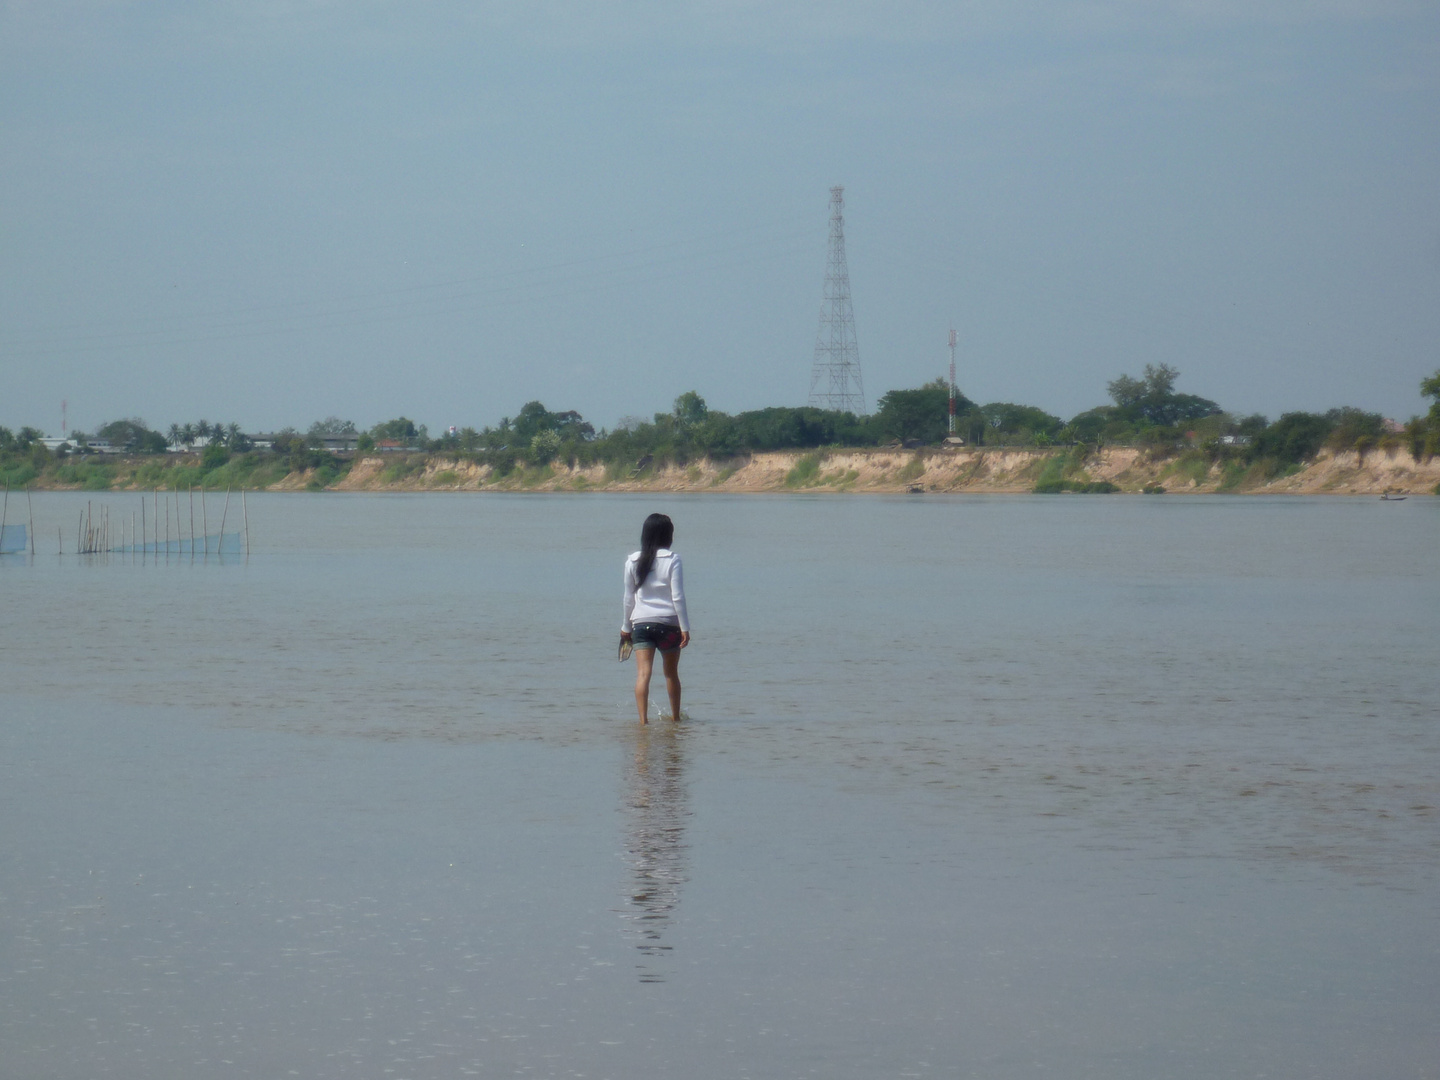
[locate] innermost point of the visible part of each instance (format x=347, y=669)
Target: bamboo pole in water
x=167, y=526
x=192, y=519
x=204, y=521
x=143, y=528
x=32, y=519
x=79, y=532
x=5, y=511
x=157, y=521
x=244, y=506
x=220, y=546
x=59, y=540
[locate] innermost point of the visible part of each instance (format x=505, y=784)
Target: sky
x=275, y=211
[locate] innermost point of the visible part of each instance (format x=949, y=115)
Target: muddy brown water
x=969, y=786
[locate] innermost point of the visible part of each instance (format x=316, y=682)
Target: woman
x=653, y=613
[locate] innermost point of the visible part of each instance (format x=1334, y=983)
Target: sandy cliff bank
x=969, y=470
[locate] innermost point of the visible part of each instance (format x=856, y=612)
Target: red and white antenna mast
x=952, y=380
x=63, y=406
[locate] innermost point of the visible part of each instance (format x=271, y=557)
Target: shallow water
x=993, y=787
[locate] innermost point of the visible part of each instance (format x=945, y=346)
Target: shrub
x=1078, y=487
x=213, y=457
x=805, y=471
x=399, y=470
x=1193, y=465
x=324, y=476
x=87, y=476
x=913, y=470
x=1294, y=437
x=18, y=475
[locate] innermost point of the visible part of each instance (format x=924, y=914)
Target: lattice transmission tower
x=835, y=381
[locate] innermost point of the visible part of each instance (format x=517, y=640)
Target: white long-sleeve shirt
x=661, y=598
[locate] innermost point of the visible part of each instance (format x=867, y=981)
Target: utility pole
x=952, y=380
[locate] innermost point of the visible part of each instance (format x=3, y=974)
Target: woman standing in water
x=653, y=613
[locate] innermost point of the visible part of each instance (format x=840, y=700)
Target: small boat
x=1387, y=497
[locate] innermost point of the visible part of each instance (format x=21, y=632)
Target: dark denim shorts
x=655, y=635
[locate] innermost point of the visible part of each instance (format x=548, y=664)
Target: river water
x=969, y=786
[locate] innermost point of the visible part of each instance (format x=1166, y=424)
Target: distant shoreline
x=979, y=470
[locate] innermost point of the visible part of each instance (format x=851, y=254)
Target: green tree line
x=1145, y=410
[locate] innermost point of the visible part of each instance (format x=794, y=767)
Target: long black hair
x=657, y=532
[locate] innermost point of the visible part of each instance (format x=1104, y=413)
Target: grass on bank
x=912, y=470
x=805, y=473
x=1065, y=472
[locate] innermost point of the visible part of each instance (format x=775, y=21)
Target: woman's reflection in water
x=655, y=839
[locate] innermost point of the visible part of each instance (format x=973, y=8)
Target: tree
x=1354, y=429
x=213, y=456
x=571, y=425
x=690, y=409
x=1154, y=401
x=287, y=441
x=1127, y=392
x=1251, y=425
x=779, y=428
x=544, y=446
x=1295, y=437
x=1430, y=387
x=132, y=436
x=534, y=418
x=331, y=426
x=1022, y=421
x=401, y=429
x=922, y=414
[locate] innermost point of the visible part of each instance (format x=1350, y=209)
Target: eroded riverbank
x=963, y=469
x=998, y=471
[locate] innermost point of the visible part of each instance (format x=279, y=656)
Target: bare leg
x=671, y=663
x=644, y=665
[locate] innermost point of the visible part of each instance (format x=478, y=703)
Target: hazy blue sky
x=275, y=211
